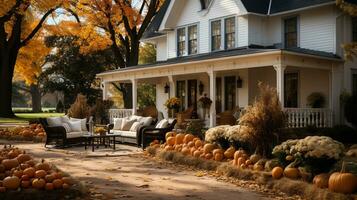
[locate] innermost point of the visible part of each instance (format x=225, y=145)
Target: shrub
x=316, y=100
x=100, y=111
x=264, y=119
x=80, y=108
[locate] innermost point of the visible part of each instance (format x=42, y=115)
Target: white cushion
x=146, y=121
x=75, y=134
x=135, y=117
x=126, y=124
x=123, y=133
x=75, y=126
x=162, y=124
x=65, y=119
x=117, y=123
x=83, y=123
x=67, y=127
x=54, y=121
x=135, y=126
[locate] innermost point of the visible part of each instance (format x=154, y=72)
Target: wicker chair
x=151, y=133
x=181, y=116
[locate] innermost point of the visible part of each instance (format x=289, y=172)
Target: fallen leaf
x=143, y=186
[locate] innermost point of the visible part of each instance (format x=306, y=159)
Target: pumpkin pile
x=33, y=130
x=19, y=170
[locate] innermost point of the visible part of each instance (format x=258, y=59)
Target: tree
x=16, y=31
x=72, y=72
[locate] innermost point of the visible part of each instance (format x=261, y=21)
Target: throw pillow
x=65, y=119
x=83, y=123
x=162, y=124
x=54, y=121
x=135, y=127
x=135, y=117
x=75, y=126
x=126, y=124
x=117, y=123
x=67, y=127
x=146, y=121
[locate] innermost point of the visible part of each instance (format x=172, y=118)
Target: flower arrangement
x=173, y=103
x=216, y=133
x=205, y=102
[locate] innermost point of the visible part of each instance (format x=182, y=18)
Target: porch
x=232, y=82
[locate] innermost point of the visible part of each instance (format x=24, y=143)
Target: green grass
x=25, y=117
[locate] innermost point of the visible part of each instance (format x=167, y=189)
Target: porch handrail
x=119, y=113
x=304, y=117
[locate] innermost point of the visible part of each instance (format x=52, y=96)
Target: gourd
x=208, y=156
x=43, y=166
x=170, y=134
x=49, y=186
x=254, y=158
x=229, y=153
x=10, y=163
x=198, y=143
x=179, y=138
x=217, y=151
x=188, y=138
x=49, y=178
x=191, y=144
x=2, y=168
x=192, y=150
x=68, y=180
x=185, y=151
x=277, y=172
x=197, y=153
x=291, y=172
x=239, y=153
x=40, y=174
x=23, y=158
x=208, y=148
x=321, y=180
x=25, y=184
x=29, y=172
x=218, y=157
x=38, y=183
x=169, y=148
x=11, y=182
x=18, y=173
x=57, y=183
x=342, y=182
x=240, y=161
x=170, y=141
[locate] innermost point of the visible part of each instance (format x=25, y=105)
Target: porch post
x=280, y=70
x=212, y=93
x=336, y=89
x=105, y=90
x=135, y=94
x=172, y=86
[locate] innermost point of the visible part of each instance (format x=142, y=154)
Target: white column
x=135, y=94
x=105, y=87
x=212, y=93
x=336, y=89
x=172, y=86
x=280, y=70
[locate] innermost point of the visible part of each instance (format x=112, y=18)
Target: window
x=181, y=93
x=192, y=39
x=205, y=4
x=192, y=93
x=291, y=90
x=291, y=32
x=354, y=84
x=216, y=35
x=181, y=41
x=230, y=27
x=229, y=92
x=354, y=29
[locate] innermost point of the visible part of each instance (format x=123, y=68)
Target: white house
x=225, y=47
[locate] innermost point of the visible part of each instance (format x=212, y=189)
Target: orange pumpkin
x=239, y=154
x=229, y=153
x=188, y=138
x=10, y=163
x=241, y=161
x=57, y=183
x=40, y=174
x=197, y=153
x=198, y=143
x=23, y=158
x=169, y=148
x=43, y=166
x=18, y=173
x=254, y=158
x=277, y=172
x=25, y=178
x=179, y=138
x=192, y=150
x=13, y=153
x=185, y=151
x=11, y=182
x=217, y=151
x=208, y=156
x=2, y=168
x=248, y=162
x=218, y=157
x=25, y=184
x=170, y=134
x=342, y=182
x=49, y=178
x=321, y=180
x=208, y=148
x=191, y=144
x=291, y=172
x=24, y=166
x=49, y=186
x=170, y=141
x=30, y=172
x=38, y=183
x=57, y=175
x=30, y=163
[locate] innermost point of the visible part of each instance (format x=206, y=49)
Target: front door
x=229, y=92
x=291, y=88
x=192, y=93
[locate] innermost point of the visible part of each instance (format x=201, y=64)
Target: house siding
x=161, y=49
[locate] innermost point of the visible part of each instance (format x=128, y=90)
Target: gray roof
x=253, y=49
x=252, y=6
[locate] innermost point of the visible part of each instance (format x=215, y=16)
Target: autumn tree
x=16, y=31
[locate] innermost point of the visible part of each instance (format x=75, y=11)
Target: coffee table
x=96, y=140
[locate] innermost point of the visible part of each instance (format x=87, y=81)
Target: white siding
x=243, y=31
x=171, y=44
x=257, y=30
x=161, y=49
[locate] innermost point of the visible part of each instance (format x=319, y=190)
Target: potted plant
x=205, y=104
x=172, y=105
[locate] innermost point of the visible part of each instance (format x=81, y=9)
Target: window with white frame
x=192, y=39
x=181, y=41
x=291, y=32
x=230, y=33
x=205, y=4
x=216, y=35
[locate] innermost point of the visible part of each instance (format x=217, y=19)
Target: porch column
x=135, y=94
x=212, y=93
x=105, y=87
x=336, y=89
x=172, y=86
x=280, y=70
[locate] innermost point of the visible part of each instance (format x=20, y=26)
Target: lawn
x=25, y=117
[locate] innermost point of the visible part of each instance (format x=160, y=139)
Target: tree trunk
x=36, y=98
x=6, y=74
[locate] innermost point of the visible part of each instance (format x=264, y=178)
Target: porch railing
x=303, y=117
x=119, y=113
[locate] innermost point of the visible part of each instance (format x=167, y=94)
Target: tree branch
x=37, y=28
x=74, y=15
x=8, y=15
x=150, y=14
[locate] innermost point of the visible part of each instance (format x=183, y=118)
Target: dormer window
x=205, y=4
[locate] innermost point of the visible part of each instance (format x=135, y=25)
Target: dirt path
x=127, y=174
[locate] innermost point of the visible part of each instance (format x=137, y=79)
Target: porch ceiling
x=261, y=59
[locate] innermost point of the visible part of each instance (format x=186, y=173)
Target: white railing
x=304, y=117
x=119, y=113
